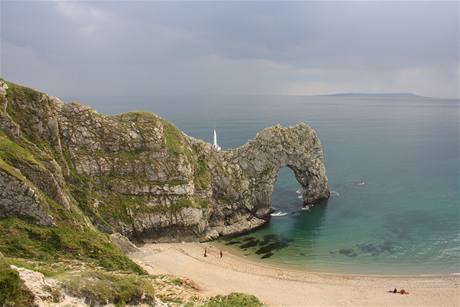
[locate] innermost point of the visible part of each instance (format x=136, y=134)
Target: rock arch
x=297, y=148
x=139, y=175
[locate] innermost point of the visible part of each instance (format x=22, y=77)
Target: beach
x=278, y=286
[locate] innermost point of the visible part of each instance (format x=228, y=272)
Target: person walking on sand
x=205, y=253
x=221, y=254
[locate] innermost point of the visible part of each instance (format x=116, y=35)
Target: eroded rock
x=138, y=175
x=17, y=198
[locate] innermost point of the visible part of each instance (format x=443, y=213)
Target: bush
x=234, y=300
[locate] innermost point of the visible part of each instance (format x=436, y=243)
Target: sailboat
x=215, y=145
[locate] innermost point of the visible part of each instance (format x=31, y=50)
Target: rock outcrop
x=46, y=291
x=138, y=175
x=19, y=199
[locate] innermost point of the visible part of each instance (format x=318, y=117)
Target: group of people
x=402, y=291
x=206, y=253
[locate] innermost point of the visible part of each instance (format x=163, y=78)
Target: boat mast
x=215, y=145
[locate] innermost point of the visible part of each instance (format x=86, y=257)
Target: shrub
x=234, y=300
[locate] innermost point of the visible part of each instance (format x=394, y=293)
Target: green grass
x=234, y=300
x=82, y=258
x=48, y=269
x=173, y=138
x=139, y=115
x=7, y=168
x=202, y=177
x=114, y=207
x=174, y=143
x=96, y=284
x=25, y=106
x=43, y=243
x=110, y=287
x=17, y=93
x=11, y=151
x=11, y=293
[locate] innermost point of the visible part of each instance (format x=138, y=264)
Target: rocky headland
x=75, y=184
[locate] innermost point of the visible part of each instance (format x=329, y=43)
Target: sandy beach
x=277, y=286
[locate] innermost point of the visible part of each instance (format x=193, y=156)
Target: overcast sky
x=285, y=48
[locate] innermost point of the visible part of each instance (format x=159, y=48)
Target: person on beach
x=205, y=253
x=402, y=291
x=221, y=254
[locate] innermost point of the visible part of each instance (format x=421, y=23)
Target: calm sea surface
x=392, y=163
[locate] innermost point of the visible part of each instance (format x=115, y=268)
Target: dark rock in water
x=268, y=255
x=368, y=248
x=250, y=244
x=272, y=247
x=233, y=242
x=388, y=246
x=376, y=249
x=348, y=252
x=269, y=239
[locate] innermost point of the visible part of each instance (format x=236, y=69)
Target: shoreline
x=279, y=286
x=294, y=268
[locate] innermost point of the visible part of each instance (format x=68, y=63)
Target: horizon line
x=281, y=95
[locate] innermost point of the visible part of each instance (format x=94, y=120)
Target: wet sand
x=278, y=286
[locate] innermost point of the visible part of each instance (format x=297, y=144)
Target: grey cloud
x=91, y=48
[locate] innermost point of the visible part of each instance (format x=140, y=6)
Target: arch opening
x=287, y=192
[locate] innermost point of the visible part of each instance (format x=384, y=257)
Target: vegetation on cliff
x=71, y=177
x=11, y=292
x=57, y=210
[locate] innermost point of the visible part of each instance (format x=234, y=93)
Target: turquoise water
x=392, y=163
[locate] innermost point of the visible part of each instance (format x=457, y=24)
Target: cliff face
x=137, y=174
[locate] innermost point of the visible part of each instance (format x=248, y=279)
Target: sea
x=392, y=161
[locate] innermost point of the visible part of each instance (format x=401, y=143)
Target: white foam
x=278, y=213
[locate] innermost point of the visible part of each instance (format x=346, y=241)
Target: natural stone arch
x=137, y=174
x=297, y=148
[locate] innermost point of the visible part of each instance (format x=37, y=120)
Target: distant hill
x=408, y=95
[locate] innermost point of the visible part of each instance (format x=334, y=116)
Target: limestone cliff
x=137, y=174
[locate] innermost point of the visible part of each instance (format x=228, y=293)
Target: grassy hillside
x=70, y=249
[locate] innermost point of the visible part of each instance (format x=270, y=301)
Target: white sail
x=216, y=146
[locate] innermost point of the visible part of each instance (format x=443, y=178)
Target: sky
x=134, y=48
